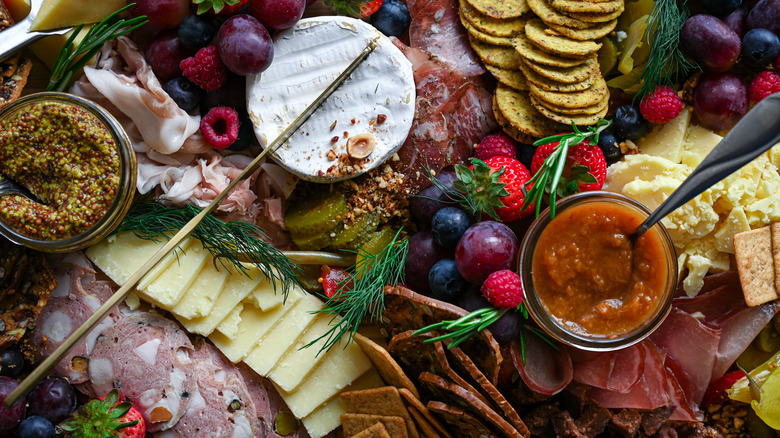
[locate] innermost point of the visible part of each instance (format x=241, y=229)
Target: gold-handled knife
x=50, y=362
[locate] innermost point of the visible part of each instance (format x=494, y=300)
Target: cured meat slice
x=146, y=358
x=592, y=368
x=628, y=368
x=436, y=29
x=548, y=372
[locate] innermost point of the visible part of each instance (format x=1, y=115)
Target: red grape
x=162, y=14
x=423, y=254
x=710, y=42
x=426, y=203
x=245, y=45
x=278, y=14
x=765, y=15
x=10, y=418
x=736, y=20
x=720, y=100
x=53, y=399
x=485, y=248
x=164, y=55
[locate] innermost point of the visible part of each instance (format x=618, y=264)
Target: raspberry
x=767, y=82
x=495, y=145
x=205, y=69
x=220, y=126
x=503, y=289
x=662, y=105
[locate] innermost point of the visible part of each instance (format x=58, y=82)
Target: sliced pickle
x=768, y=339
x=311, y=242
x=628, y=83
x=635, y=49
x=375, y=244
x=608, y=56
x=316, y=214
x=349, y=237
x=633, y=10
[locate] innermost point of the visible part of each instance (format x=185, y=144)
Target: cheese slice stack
x=243, y=316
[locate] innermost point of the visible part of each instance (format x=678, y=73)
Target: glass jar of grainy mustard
x=76, y=159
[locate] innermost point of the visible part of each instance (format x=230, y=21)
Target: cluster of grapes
x=51, y=401
x=450, y=260
x=730, y=34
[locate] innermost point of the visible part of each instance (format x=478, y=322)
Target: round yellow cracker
x=596, y=18
x=507, y=127
x=599, y=30
x=501, y=8
x=521, y=114
x=588, y=110
x=535, y=31
x=568, y=119
x=500, y=56
x=570, y=75
x=532, y=53
x=550, y=15
x=546, y=84
x=485, y=38
x=587, y=7
x=578, y=99
x=513, y=78
x=489, y=25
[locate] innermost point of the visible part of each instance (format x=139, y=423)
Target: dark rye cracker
x=388, y=368
x=415, y=403
x=541, y=36
x=466, y=366
x=501, y=9
x=598, y=30
x=544, y=83
x=460, y=420
x=550, y=15
x=441, y=389
x=569, y=75
x=14, y=70
x=492, y=26
x=426, y=429
x=406, y=310
x=587, y=6
x=579, y=99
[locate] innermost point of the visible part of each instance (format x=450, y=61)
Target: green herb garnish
x=666, y=60
x=477, y=191
x=228, y=242
x=548, y=177
x=72, y=58
x=366, y=297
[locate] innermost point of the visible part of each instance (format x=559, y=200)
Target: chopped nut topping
x=381, y=119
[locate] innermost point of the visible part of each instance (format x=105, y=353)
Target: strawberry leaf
x=582, y=174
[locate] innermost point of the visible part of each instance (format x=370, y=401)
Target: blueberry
x=760, y=47
x=186, y=94
x=628, y=123
x=196, y=32
x=721, y=8
x=525, y=154
x=35, y=427
x=448, y=224
x=609, y=145
x=246, y=133
x=11, y=362
x=392, y=18
x=446, y=282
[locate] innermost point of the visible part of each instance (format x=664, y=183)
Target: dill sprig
x=548, y=177
x=73, y=57
x=459, y=330
x=228, y=242
x=366, y=297
x=666, y=60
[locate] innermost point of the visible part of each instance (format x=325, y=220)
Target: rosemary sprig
x=226, y=241
x=72, y=58
x=463, y=328
x=547, y=178
x=666, y=60
x=366, y=297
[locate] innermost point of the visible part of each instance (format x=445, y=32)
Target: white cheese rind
x=307, y=58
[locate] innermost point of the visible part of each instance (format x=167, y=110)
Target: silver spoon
x=19, y=35
x=10, y=187
x=758, y=131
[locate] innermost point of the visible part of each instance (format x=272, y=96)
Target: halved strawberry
x=716, y=392
x=332, y=280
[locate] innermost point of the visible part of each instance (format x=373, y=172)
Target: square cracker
x=755, y=265
x=353, y=424
x=379, y=401
x=378, y=430
x=775, y=228
x=415, y=403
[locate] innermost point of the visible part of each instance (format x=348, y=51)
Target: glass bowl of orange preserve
x=588, y=281
x=78, y=163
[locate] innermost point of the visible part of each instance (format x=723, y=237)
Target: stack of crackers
x=13, y=70
x=758, y=263
x=544, y=55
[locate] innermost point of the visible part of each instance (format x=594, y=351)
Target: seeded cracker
x=500, y=8
x=580, y=6
x=485, y=38
x=499, y=56
x=755, y=265
x=508, y=128
x=414, y=402
x=550, y=15
x=570, y=75
x=353, y=424
x=376, y=431
x=596, y=18
x=532, y=53
x=580, y=99
x=568, y=119
x=512, y=78
x=460, y=420
x=521, y=114
x=425, y=427
x=492, y=26
x=589, y=110
x=535, y=30
x=599, y=30
x=537, y=80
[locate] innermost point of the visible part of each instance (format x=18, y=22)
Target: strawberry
x=332, y=279
x=514, y=178
x=105, y=417
x=220, y=7
x=585, y=165
x=368, y=8
x=354, y=8
x=716, y=392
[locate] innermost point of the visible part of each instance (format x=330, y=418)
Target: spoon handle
x=758, y=131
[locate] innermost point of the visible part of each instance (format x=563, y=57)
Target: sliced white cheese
x=167, y=289
x=229, y=326
x=327, y=417
x=265, y=297
x=237, y=287
x=271, y=348
x=122, y=254
x=666, y=140
x=254, y=325
x=200, y=297
x=299, y=361
x=340, y=367
x=307, y=58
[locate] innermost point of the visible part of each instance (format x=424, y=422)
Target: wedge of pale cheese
x=299, y=361
x=229, y=326
x=169, y=287
x=57, y=14
x=266, y=297
x=200, y=297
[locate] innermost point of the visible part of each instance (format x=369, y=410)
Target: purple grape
x=164, y=55
x=765, y=15
x=423, y=254
x=426, y=203
x=710, y=42
x=278, y=14
x=736, y=20
x=53, y=399
x=245, y=45
x=232, y=94
x=720, y=100
x=162, y=14
x=10, y=418
x=485, y=248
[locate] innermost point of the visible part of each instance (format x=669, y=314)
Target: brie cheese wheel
x=377, y=99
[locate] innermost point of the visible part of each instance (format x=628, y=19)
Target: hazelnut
x=361, y=145
x=160, y=415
